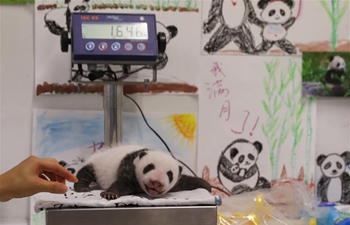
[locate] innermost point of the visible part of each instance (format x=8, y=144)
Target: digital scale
x=114, y=39
x=107, y=39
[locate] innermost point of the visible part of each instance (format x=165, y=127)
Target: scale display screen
x=114, y=38
x=134, y=31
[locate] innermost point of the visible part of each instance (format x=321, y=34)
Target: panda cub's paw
x=109, y=195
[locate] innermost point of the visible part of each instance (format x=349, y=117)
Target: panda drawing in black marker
x=334, y=184
x=237, y=168
x=276, y=19
x=228, y=30
x=132, y=169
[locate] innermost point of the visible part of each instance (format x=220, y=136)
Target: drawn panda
x=335, y=71
x=237, y=168
x=229, y=29
x=132, y=169
x=334, y=185
x=276, y=19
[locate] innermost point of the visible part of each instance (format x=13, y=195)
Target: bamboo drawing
x=335, y=14
x=277, y=128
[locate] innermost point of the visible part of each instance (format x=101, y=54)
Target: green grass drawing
x=16, y=2
x=282, y=95
x=335, y=14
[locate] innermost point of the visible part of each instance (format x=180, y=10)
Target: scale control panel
x=114, y=38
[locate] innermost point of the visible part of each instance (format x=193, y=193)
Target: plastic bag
x=283, y=205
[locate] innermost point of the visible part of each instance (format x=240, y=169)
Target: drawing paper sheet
x=332, y=150
x=71, y=136
x=262, y=106
x=318, y=26
x=53, y=66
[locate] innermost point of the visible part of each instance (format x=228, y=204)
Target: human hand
x=26, y=179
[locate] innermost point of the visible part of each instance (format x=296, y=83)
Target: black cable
x=144, y=118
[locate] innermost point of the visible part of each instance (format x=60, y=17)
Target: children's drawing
x=183, y=128
x=326, y=74
x=148, y=6
x=276, y=19
x=53, y=76
x=335, y=12
x=16, y=2
x=334, y=185
x=237, y=168
x=266, y=27
x=277, y=128
x=282, y=97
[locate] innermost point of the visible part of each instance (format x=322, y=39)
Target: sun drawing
x=183, y=128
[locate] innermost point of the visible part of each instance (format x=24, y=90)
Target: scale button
x=128, y=46
x=102, y=46
x=90, y=46
x=115, y=46
x=141, y=47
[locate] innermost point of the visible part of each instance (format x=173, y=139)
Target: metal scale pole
x=113, y=112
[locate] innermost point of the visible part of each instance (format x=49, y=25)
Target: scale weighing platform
x=119, y=39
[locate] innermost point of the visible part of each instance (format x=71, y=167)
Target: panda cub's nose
x=156, y=183
x=334, y=171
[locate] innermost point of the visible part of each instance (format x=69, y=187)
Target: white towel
x=92, y=199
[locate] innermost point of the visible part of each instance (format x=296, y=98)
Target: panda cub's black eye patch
x=148, y=168
x=327, y=166
x=170, y=176
x=272, y=12
x=339, y=165
x=241, y=159
x=251, y=157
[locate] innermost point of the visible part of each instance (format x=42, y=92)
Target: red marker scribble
x=256, y=123
x=233, y=2
x=244, y=122
x=217, y=69
x=226, y=108
x=216, y=89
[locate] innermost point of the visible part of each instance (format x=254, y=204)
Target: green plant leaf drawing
x=335, y=13
x=284, y=108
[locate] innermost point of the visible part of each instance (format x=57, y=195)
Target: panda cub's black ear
x=330, y=58
x=346, y=157
x=142, y=154
x=320, y=159
x=258, y=146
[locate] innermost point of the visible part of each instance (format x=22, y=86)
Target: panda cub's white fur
x=107, y=161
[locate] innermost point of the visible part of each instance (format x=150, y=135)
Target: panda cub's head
x=157, y=172
x=333, y=165
x=336, y=63
x=243, y=153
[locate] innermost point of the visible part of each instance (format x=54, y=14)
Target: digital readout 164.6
x=128, y=31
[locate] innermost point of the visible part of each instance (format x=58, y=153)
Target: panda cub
x=132, y=169
x=334, y=184
x=335, y=71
